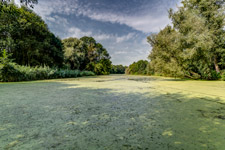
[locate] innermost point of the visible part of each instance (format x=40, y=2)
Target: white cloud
x=125, y=37
x=120, y=52
x=47, y=8
x=124, y=48
x=76, y=32
x=145, y=22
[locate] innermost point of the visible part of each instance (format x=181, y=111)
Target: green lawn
x=113, y=112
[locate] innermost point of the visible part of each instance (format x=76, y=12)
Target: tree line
x=194, y=45
x=27, y=40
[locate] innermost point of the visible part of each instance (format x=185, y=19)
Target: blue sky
x=120, y=25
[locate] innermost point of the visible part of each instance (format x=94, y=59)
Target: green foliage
x=33, y=47
x=103, y=67
x=165, y=54
x=118, y=69
x=4, y=58
x=27, y=37
x=223, y=76
x=75, y=53
x=14, y=73
x=138, y=68
x=86, y=54
x=194, y=47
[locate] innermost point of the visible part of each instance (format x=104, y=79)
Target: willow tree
x=166, y=54
x=203, y=21
x=195, y=45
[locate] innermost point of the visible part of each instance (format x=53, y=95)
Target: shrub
x=12, y=72
x=87, y=73
x=223, y=76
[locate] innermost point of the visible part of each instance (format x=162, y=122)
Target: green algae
x=113, y=112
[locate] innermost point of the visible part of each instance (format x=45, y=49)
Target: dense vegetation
x=12, y=72
x=118, y=69
x=138, y=68
x=194, y=46
x=86, y=54
x=26, y=36
x=30, y=45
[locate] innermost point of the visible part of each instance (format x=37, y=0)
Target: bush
x=223, y=76
x=138, y=68
x=12, y=72
x=118, y=69
x=87, y=73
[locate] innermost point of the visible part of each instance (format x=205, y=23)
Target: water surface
x=112, y=113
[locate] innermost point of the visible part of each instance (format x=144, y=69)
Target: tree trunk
x=216, y=65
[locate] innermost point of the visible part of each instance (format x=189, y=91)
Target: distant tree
x=86, y=54
x=138, y=68
x=76, y=54
x=118, y=69
x=99, y=58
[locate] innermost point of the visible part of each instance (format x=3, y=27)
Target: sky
x=121, y=26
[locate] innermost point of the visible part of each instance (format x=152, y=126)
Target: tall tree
x=27, y=37
x=99, y=58
x=166, y=55
x=195, y=46
x=75, y=52
x=210, y=15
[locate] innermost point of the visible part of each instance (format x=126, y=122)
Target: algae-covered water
x=114, y=112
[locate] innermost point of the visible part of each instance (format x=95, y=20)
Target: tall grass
x=12, y=72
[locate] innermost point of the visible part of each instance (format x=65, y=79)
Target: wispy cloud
x=145, y=21
x=76, y=32
x=122, y=27
x=146, y=24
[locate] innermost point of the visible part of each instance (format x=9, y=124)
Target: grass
x=113, y=112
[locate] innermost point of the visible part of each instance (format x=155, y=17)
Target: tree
x=194, y=46
x=166, y=55
x=212, y=12
x=75, y=52
x=27, y=37
x=99, y=58
x=86, y=54
x=138, y=68
x=118, y=69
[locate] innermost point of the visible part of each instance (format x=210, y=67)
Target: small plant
x=4, y=59
x=223, y=76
